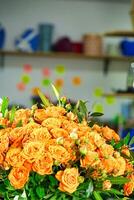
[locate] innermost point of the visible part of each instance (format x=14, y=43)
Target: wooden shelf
x=120, y=33
x=66, y=55
x=119, y=95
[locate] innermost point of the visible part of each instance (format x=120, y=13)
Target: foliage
x=40, y=159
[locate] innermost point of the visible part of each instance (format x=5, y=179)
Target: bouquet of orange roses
x=56, y=153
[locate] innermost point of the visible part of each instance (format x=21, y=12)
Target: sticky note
x=27, y=68
x=21, y=86
x=59, y=83
x=35, y=91
x=46, y=71
x=76, y=81
x=25, y=79
x=110, y=100
x=98, y=92
x=98, y=107
x=60, y=69
x=46, y=82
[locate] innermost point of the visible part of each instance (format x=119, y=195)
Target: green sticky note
x=60, y=69
x=46, y=82
x=98, y=92
x=110, y=100
x=98, y=107
x=25, y=79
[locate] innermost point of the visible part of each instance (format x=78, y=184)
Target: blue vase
x=2, y=37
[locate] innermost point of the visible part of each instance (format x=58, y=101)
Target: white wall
x=72, y=18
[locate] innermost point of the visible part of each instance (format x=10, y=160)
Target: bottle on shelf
x=130, y=78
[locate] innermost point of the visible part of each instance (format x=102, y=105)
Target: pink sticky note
x=21, y=86
x=46, y=71
x=27, y=68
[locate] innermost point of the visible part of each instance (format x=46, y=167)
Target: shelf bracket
x=106, y=65
x=2, y=60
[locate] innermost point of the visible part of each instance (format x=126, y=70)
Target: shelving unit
x=119, y=95
x=120, y=33
x=66, y=55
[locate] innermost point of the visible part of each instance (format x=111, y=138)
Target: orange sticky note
x=76, y=80
x=21, y=86
x=59, y=83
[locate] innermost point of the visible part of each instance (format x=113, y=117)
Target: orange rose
x=69, y=125
x=59, y=132
x=96, y=138
x=23, y=115
x=40, y=115
x=51, y=123
x=55, y=111
x=18, y=177
x=90, y=160
x=120, y=166
x=4, y=143
x=16, y=133
x=43, y=165
x=68, y=180
x=14, y=157
x=59, y=153
x=1, y=158
x=107, y=185
x=109, y=164
x=128, y=188
x=125, y=151
x=106, y=150
x=97, y=128
x=33, y=151
x=40, y=134
x=129, y=167
x=110, y=134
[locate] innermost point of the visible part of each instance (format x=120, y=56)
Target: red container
x=77, y=47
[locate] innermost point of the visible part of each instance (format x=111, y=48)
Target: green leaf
x=126, y=139
x=4, y=106
x=114, y=191
x=89, y=189
x=44, y=99
x=12, y=114
x=112, y=142
x=2, y=188
x=40, y=191
x=6, y=196
x=53, y=180
x=118, y=180
x=97, y=195
x=96, y=114
x=119, y=144
x=8, y=185
x=131, y=141
x=81, y=110
x=39, y=178
x=56, y=92
x=1, y=126
x=19, y=124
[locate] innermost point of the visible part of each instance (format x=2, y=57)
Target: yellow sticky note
x=98, y=107
x=60, y=69
x=110, y=100
x=98, y=92
x=25, y=79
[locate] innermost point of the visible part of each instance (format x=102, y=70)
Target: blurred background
x=84, y=47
